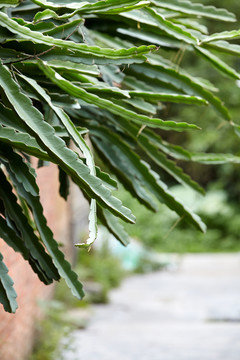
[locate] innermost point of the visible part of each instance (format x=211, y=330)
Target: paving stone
x=192, y=313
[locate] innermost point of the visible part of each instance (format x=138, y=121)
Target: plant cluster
x=214, y=208
x=72, y=71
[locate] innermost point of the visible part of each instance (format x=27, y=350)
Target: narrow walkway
x=192, y=313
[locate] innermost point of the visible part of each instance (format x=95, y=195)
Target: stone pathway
x=191, y=313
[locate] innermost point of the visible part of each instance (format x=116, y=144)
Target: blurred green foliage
x=97, y=266
x=102, y=267
x=165, y=233
x=50, y=331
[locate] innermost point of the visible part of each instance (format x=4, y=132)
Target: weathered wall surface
x=17, y=330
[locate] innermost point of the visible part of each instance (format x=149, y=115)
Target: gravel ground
x=189, y=313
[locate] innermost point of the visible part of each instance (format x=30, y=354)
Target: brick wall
x=17, y=330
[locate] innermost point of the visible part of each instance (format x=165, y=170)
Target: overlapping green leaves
x=74, y=68
x=7, y=293
x=194, y=9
